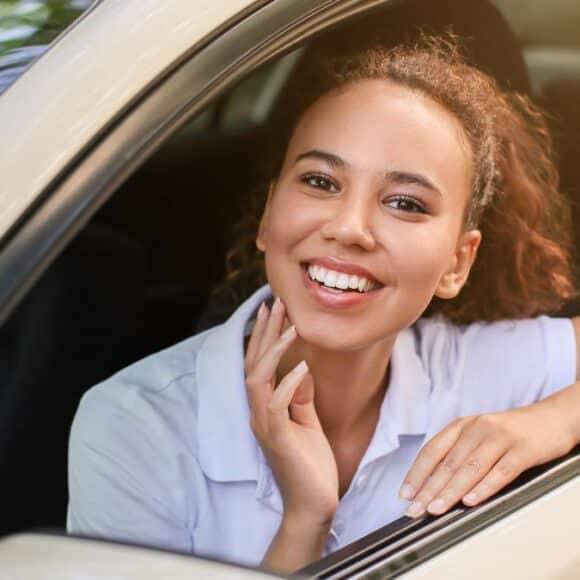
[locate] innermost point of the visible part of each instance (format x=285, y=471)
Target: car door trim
x=404, y=544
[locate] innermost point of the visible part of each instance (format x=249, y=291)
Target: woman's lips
x=332, y=297
x=340, y=266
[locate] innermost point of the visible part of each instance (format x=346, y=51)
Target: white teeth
x=330, y=279
x=339, y=279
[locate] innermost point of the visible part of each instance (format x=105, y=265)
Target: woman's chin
x=329, y=339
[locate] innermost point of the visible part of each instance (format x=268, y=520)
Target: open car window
x=550, y=37
x=143, y=249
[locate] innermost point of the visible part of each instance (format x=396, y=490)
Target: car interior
x=139, y=276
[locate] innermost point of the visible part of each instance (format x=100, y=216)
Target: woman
x=283, y=442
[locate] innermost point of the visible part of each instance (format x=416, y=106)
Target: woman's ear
x=455, y=277
x=263, y=227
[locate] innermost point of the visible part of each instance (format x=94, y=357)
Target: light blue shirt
x=162, y=453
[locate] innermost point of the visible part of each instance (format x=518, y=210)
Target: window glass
x=27, y=27
x=537, y=22
x=550, y=37
x=251, y=101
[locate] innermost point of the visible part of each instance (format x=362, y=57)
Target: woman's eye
x=320, y=182
x=407, y=204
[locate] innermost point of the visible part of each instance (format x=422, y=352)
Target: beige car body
x=56, y=108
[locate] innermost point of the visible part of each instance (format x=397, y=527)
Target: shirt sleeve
x=128, y=469
x=498, y=366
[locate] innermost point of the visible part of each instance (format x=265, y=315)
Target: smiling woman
x=398, y=169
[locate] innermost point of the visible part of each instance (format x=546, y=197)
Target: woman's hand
x=284, y=420
x=474, y=457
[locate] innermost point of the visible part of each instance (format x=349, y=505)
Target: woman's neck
x=349, y=386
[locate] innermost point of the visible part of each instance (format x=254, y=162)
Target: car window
x=252, y=100
x=549, y=33
x=27, y=27
x=137, y=278
x=536, y=22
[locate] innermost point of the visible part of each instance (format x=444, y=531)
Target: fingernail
x=470, y=498
x=436, y=507
x=407, y=491
x=289, y=333
x=301, y=367
x=415, y=509
x=262, y=311
x=277, y=304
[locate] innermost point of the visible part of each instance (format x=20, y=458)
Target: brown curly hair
x=523, y=266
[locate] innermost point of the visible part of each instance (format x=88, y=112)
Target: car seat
x=79, y=324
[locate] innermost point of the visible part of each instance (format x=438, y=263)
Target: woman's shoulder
x=179, y=388
x=506, y=362
x=438, y=329
x=158, y=371
x=141, y=396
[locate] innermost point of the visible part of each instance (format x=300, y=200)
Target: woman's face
x=374, y=184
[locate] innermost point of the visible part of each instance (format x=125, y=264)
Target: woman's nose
x=350, y=225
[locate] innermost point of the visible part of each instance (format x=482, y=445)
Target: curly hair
x=523, y=266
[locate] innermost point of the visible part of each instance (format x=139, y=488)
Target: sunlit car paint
x=46, y=119
x=537, y=542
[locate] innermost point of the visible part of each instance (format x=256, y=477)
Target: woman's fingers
x=278, y=413
x=265, y=368
x=502, y=473
x=428, y=458
x=256, y=337
x=260, y=380
x=302, y=409
x=273, y=327
x=458, y=458
x=479, y=462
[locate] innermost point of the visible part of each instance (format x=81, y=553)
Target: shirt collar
x=228, y=450
x=405, y=407
x=406, y=404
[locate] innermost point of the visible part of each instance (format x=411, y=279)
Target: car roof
x=95, y=70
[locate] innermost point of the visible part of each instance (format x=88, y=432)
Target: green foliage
x=35, y=22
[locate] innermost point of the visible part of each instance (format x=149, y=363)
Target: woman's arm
x=121, y=473
x=474, y=457
x=296, y=544
x=285, y=423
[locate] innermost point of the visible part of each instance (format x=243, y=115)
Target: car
x=108, y=252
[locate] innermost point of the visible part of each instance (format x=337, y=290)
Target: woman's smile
x=337, y=289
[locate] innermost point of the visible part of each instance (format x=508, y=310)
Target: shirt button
x=361, y=481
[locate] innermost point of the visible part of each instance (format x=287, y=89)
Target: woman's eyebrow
x=329, y=158
x=406, y=177
x=399, y=177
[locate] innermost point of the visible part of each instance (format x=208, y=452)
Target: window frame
x=405, y=543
